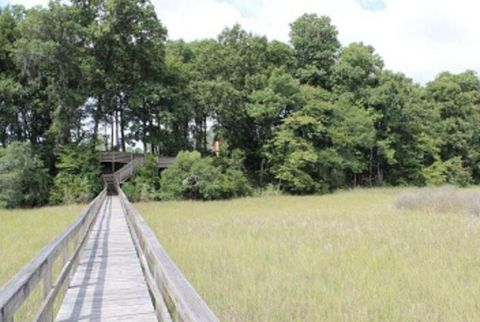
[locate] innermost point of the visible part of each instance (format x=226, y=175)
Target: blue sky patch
x=248, y=8
x=372, y=5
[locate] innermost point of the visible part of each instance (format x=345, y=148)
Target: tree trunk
x=198, y=133
x=262, y=171
x=379, y=174
x=204, y=133
x=79, y=130
x=370, y=167
x=96, y=118
x=117, y=131
x=122, y=131
x=4, y=139
x=105, y=136
x=198, y=137
x=95, y=126
x=113, y=133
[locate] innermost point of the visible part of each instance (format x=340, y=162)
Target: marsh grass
x=350, y=256
x=446, y=199
x=23, y=233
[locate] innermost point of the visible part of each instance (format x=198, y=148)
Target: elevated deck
x=127, y=157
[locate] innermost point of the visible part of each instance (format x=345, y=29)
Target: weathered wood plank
x=163, y=315
x=108, y=284
x=46, y=310
x=121, y=269
x=169, y=281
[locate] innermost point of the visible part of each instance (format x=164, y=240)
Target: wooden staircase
x=109, y=180
x=113, y=180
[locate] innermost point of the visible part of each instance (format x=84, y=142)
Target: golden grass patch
x=23, y=233
x=349, y=256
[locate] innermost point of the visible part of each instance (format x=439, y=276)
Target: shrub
x=24, y=182
x=131, y=191
x=144, y=184
x=234, y=181
x=194, y=177
x=451, y=171
x=235, y=184
x=79, y=174
x=446, y=199
x=268, y=191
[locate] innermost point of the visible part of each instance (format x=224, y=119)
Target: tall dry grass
x=350, y=256
x=23, y=233
x=446, y=199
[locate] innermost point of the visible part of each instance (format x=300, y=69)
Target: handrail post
x=5, y=318
x=11, y=319
x=113, y=161
x=47, y=286
x=65, y=252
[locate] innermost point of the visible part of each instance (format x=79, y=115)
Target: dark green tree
x=406, y=140
x=316, y=47
x=358, y=69
x=79, y=174
x=457, y=99
x=50, y=57
x=320, y=148
x=24, y=182
x=129, y=57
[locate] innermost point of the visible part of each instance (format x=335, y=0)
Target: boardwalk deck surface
x=108, y=284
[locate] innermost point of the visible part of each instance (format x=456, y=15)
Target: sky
x=419, y=38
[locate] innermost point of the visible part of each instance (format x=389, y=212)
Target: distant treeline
x=308, y=116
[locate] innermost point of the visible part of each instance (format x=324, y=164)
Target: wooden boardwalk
x=109, y=284
x=113, y=268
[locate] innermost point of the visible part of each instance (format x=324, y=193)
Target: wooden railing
x=165, y=162
x=65, y=248
x=127, y=170
x=126, y=157
x=119, y=157
x=173, y=296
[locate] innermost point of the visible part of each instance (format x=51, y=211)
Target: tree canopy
x=308, y=116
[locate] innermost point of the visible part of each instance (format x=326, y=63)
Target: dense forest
x=309, y=116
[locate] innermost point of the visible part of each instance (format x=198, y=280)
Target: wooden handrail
x=126, y=157
x=127, y=170
x=118, y=157
x=15, y=292
x=173, y=296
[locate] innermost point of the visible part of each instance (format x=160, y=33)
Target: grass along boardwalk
x=347, y=256
x=24, y=232
x=108, y=284
x=107, y=266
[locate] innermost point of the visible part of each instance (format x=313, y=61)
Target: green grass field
x=350, y=256
x=23, y=233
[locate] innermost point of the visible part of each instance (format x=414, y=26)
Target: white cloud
x=27, y=3
x=191, y=19
x=417, y=37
